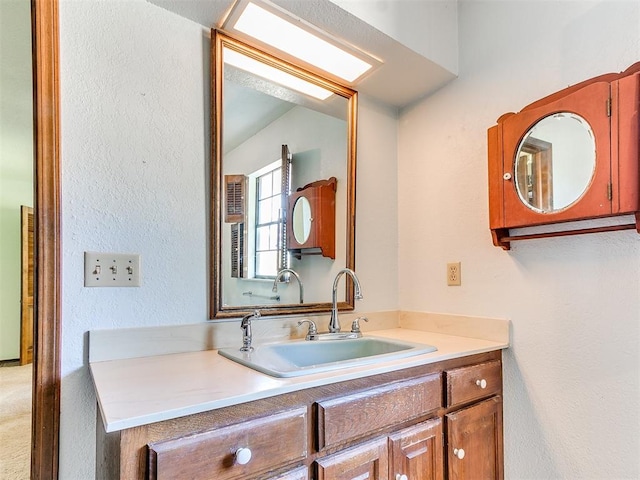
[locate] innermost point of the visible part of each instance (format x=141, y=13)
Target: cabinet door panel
x=417, y=452
x=474, y=441
x=301, y=473
x=368, y=461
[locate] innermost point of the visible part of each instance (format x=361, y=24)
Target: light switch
x=111, y=269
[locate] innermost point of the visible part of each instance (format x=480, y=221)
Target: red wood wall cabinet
x=610, y=104
x=321, y=239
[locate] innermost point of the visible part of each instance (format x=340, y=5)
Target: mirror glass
x=301, y=220
x=555, y=162
x=269, y=139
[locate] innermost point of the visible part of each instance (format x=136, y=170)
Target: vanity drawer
x=274, y=441
x=345, y=418
x=466, y=384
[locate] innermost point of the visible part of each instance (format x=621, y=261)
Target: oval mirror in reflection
x=301, y=220
x=555, y=162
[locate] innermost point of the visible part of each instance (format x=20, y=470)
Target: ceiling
x=411, y=75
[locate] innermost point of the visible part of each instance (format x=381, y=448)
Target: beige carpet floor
x=15, y=422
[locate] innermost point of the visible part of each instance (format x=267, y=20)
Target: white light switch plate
x=111, y=269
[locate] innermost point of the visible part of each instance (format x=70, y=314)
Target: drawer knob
x=401, y=476
x=243, y=456
x=459, y=452
x=481, y=383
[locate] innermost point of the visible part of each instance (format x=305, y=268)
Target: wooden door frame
x=47, y=313
x=26, y=284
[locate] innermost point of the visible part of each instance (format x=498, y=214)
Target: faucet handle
x=313, y=330
x=355, y=325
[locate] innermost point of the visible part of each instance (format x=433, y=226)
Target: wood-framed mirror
x=253, y=119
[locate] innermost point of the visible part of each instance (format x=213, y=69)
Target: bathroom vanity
x=432, y=416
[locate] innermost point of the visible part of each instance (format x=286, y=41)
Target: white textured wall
x=135, y=148
x=135, y=155
x=16, y=161
x=428, y=27
x=572, y=381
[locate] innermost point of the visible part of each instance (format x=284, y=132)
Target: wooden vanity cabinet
x=383, y=427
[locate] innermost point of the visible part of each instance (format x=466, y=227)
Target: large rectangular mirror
x=270, y=138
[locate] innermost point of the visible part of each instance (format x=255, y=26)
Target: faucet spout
x=247, y=336
x=295, y=274
x=334, y=322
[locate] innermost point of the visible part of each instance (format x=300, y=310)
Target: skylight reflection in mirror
x=268, y=72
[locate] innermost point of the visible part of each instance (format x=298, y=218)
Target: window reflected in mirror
x=265, y=237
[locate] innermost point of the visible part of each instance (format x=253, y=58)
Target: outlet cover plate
x=111, y=269
x=454, y=274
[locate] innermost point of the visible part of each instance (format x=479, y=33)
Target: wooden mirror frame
x=217, y=308
x=47, y=340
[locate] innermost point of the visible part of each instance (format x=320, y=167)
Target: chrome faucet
x=295, y=274
x=334, y=323
x=313, y=334
x=247, y=336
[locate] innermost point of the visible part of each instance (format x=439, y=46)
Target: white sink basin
x=291, y=359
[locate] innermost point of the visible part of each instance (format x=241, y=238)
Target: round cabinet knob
x=401, y=476
x=507, y=176
x=459, y=452
x=481, y=383
x=243, y=456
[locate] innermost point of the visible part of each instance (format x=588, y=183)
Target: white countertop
x=139, y=391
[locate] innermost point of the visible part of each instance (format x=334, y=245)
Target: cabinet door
x=417, y=452
x=474, y=441
x=369, y=461
x=301, y=473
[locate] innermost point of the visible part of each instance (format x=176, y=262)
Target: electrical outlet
x=111, y=269
x=454, y=277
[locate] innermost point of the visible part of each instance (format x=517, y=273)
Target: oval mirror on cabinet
x=555, y=162
x=571, y=156
x=301, y=220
